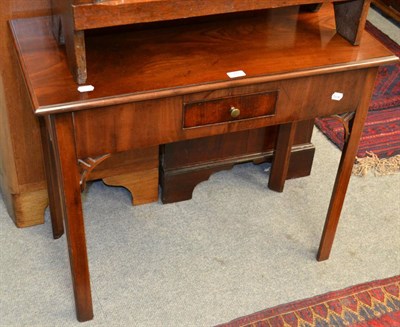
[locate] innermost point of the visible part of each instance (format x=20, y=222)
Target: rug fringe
x=381, y=167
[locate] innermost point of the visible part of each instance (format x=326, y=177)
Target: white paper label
x=236, y=74
x=85, y=88
x=337, y=96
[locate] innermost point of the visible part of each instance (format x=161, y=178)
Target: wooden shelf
x=72, y=17
x=108, y=13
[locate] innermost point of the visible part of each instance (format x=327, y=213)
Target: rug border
x=305, y=303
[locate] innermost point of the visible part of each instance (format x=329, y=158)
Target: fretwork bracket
x=87, y=166
x=346, y=120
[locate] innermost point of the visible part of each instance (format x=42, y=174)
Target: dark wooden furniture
x=175, y=87
x=389, y=7
x=187, y=163
x=22, y=181
x=72, y=17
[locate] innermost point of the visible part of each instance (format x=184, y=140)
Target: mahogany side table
x=187, y=82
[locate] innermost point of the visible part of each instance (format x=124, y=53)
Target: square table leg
x=53, y=184
x=68, y=172
x=345, y=168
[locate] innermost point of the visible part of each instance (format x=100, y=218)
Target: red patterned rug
x=382, y=129
x=375, y=304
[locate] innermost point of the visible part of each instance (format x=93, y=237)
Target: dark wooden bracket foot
x=180, y=186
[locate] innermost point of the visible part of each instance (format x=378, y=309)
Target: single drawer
x=235, y=108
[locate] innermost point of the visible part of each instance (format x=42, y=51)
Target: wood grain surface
x=158, y=63
x=21, y=170
x=138, y=102
x=103, y=13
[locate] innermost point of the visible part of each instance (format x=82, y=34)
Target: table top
x=148, y=62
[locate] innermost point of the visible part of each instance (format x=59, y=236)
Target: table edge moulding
x=170, y=84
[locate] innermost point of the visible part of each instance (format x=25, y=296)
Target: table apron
x=143, y=124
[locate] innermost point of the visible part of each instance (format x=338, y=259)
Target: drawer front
x=229, y=109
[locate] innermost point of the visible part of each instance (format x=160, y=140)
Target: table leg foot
x=283, y=150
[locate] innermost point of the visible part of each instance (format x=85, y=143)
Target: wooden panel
x=186, y=163
x=64, y=31
x=125, y=127
x=227, y=146
x=21, y=140
x=229, y=109
x=20, y=151
x=84, y=15
x=26, y=8
x=306, y=95
x=178, y=184
x=122, y=163
x=114, y=12
x=350, y=19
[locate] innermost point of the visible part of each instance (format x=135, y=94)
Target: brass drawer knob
x=235, y=112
